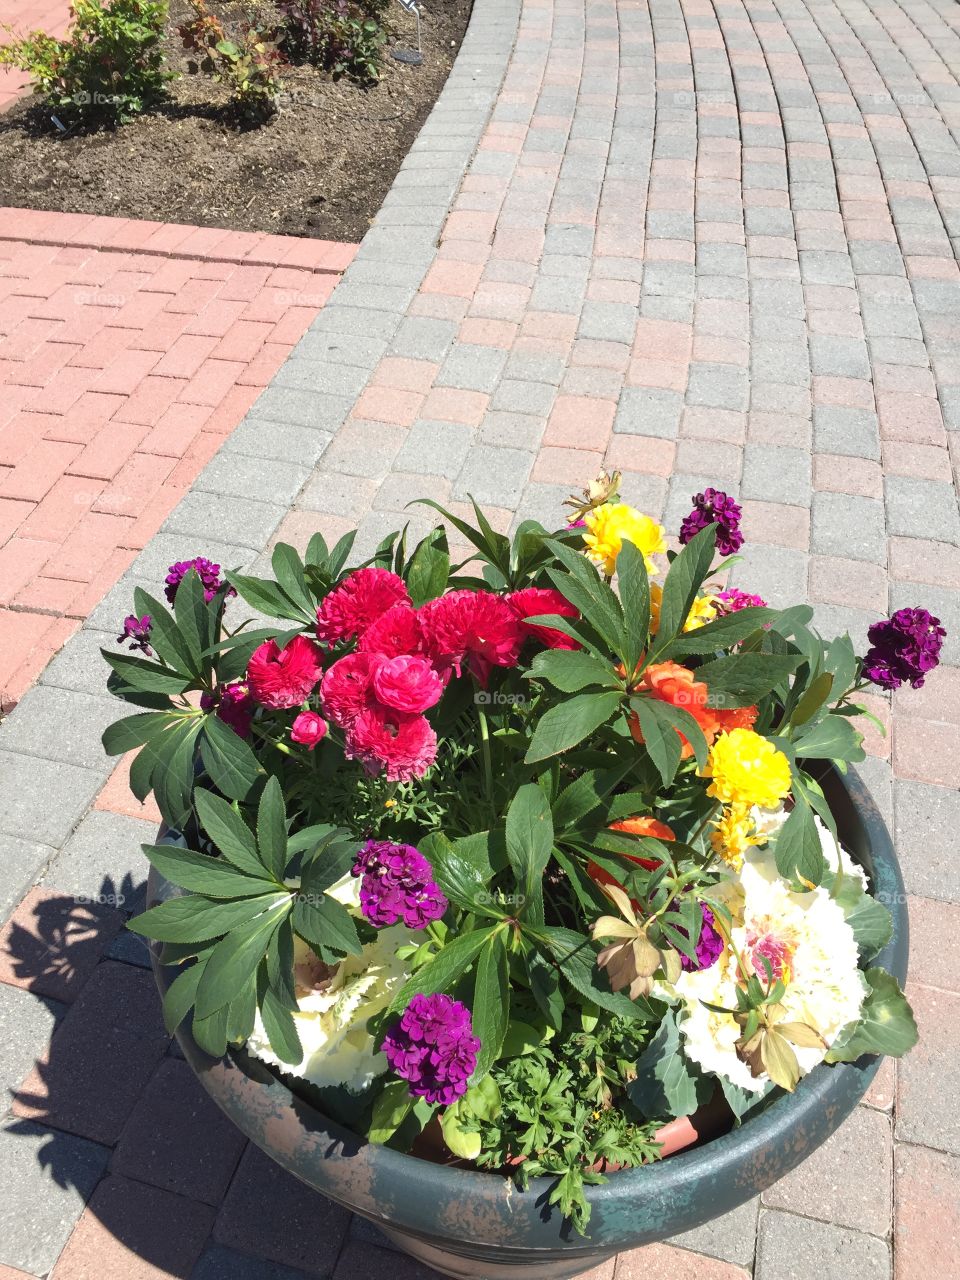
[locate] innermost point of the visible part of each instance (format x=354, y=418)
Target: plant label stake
x=413, y=57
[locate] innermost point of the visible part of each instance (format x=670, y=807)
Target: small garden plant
x=108, y=67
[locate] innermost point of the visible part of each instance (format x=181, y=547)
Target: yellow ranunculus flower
x=746, y=769
x=702, y=611
x=614, y=523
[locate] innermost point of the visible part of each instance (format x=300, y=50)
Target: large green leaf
x=172, y=647
x=197, y=919
x=741, y=679
x=180, y=995
x=212, y=877
x=659, y=737
x=634, y=587
x=228, y=759
x=211, y=1034
x=429, y=568
x=440, y=973
x=571, y=670
x=325, y=923
x=289, y=571
x=147, y=677
x=234, y=960
x=193, y=618
x=133, y=731
x=272, y=828
x=281, y=1029
x=459, y=879
x=569, y=722
x=722, y=634
x=833, y=738
x=172, y=776
x=529, y=842
x=797, y=848
x=228, y=831
x=491, y=1002
x=666, y=1083
x=683, y=581
x=587, y=793
x=266, y=597
x=886, y=1024
x=587, y=591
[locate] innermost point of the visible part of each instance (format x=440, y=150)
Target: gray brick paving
x=794, y=1248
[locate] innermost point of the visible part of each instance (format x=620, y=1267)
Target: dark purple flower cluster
x=397, y=885
x=137, y=631
x=904, y=647
x=732, y=601
x=709, y=944
x=715, y=507
x=433, y=1048
x=208, y=572
x=233, y=705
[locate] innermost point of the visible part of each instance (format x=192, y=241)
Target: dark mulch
x=320, y=168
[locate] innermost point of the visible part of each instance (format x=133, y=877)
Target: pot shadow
x=119, y=1122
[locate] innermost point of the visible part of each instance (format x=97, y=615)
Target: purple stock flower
x=903, y=647
x=208, y=572
x=397, y=885
x=732, y=601
x=709, y=944
x=137, y=631
x=713, y=506
x=433, y=1048
x=233, y=704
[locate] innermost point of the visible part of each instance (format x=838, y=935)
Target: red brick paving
x=128, y=352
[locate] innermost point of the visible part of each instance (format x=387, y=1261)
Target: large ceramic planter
x=473, y=1224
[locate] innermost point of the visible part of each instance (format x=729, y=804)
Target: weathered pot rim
x=687, y=1189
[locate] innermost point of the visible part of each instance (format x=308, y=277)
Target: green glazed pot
x=476, y=1225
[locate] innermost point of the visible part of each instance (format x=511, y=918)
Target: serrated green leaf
x=571, y=670
x=491, y=1002
x=234, y=960
x=796, y=847
x=197, y=919
x=429, y=568
x=684, y=579
x=228, y=759
x=134, y=731
x=211, y=877
x=147, y=677
x=569, y=722
x=742, y=679
x=281, y=1029
x=390, y=1110
x=440, y=973
x=272, y=828
x=228, y=831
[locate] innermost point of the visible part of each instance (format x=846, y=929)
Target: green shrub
x=344, y=36
x=109, y=66
x=247, y=64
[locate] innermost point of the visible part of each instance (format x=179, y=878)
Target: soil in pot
x=321, y=167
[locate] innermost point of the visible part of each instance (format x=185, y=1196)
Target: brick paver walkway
x=128, y=352
x=703, y=243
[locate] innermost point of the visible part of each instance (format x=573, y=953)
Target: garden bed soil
x=321, y=167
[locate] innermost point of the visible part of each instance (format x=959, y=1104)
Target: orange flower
x=736, y=718
x=637, y=826
x=672, y=683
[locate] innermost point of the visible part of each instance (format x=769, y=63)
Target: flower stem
x=487, y=761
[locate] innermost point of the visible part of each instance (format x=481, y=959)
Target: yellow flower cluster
x=746, y=770
x=614, y=523
x=734, y=835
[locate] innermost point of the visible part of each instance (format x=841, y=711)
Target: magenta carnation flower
x=406, y=683
x=209, y=574
x=233, y=705
x=137, y=631
x=394, y=633
x=732, y=601
x=713, y=506
x=903, y=648
x=281, y=678
x=308, y=729
x=405, y=746
x=433, y=1048
x=709, y=944
x=360, y=599
x=397, y=885
x=530, y=602
x=476, y=629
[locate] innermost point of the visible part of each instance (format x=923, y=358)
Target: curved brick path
x=701, y=243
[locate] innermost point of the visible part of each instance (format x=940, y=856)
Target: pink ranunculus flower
x=359, y=600
x=476, y=629
x=404, y=746
x=407, y=683
x=347, y=688
x=308, y=729
x=532, y=601
x=281, y=678
x=394, y=633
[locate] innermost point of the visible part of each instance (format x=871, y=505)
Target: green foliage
x=106, y=69
x=247, y=61
x=343, y=36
